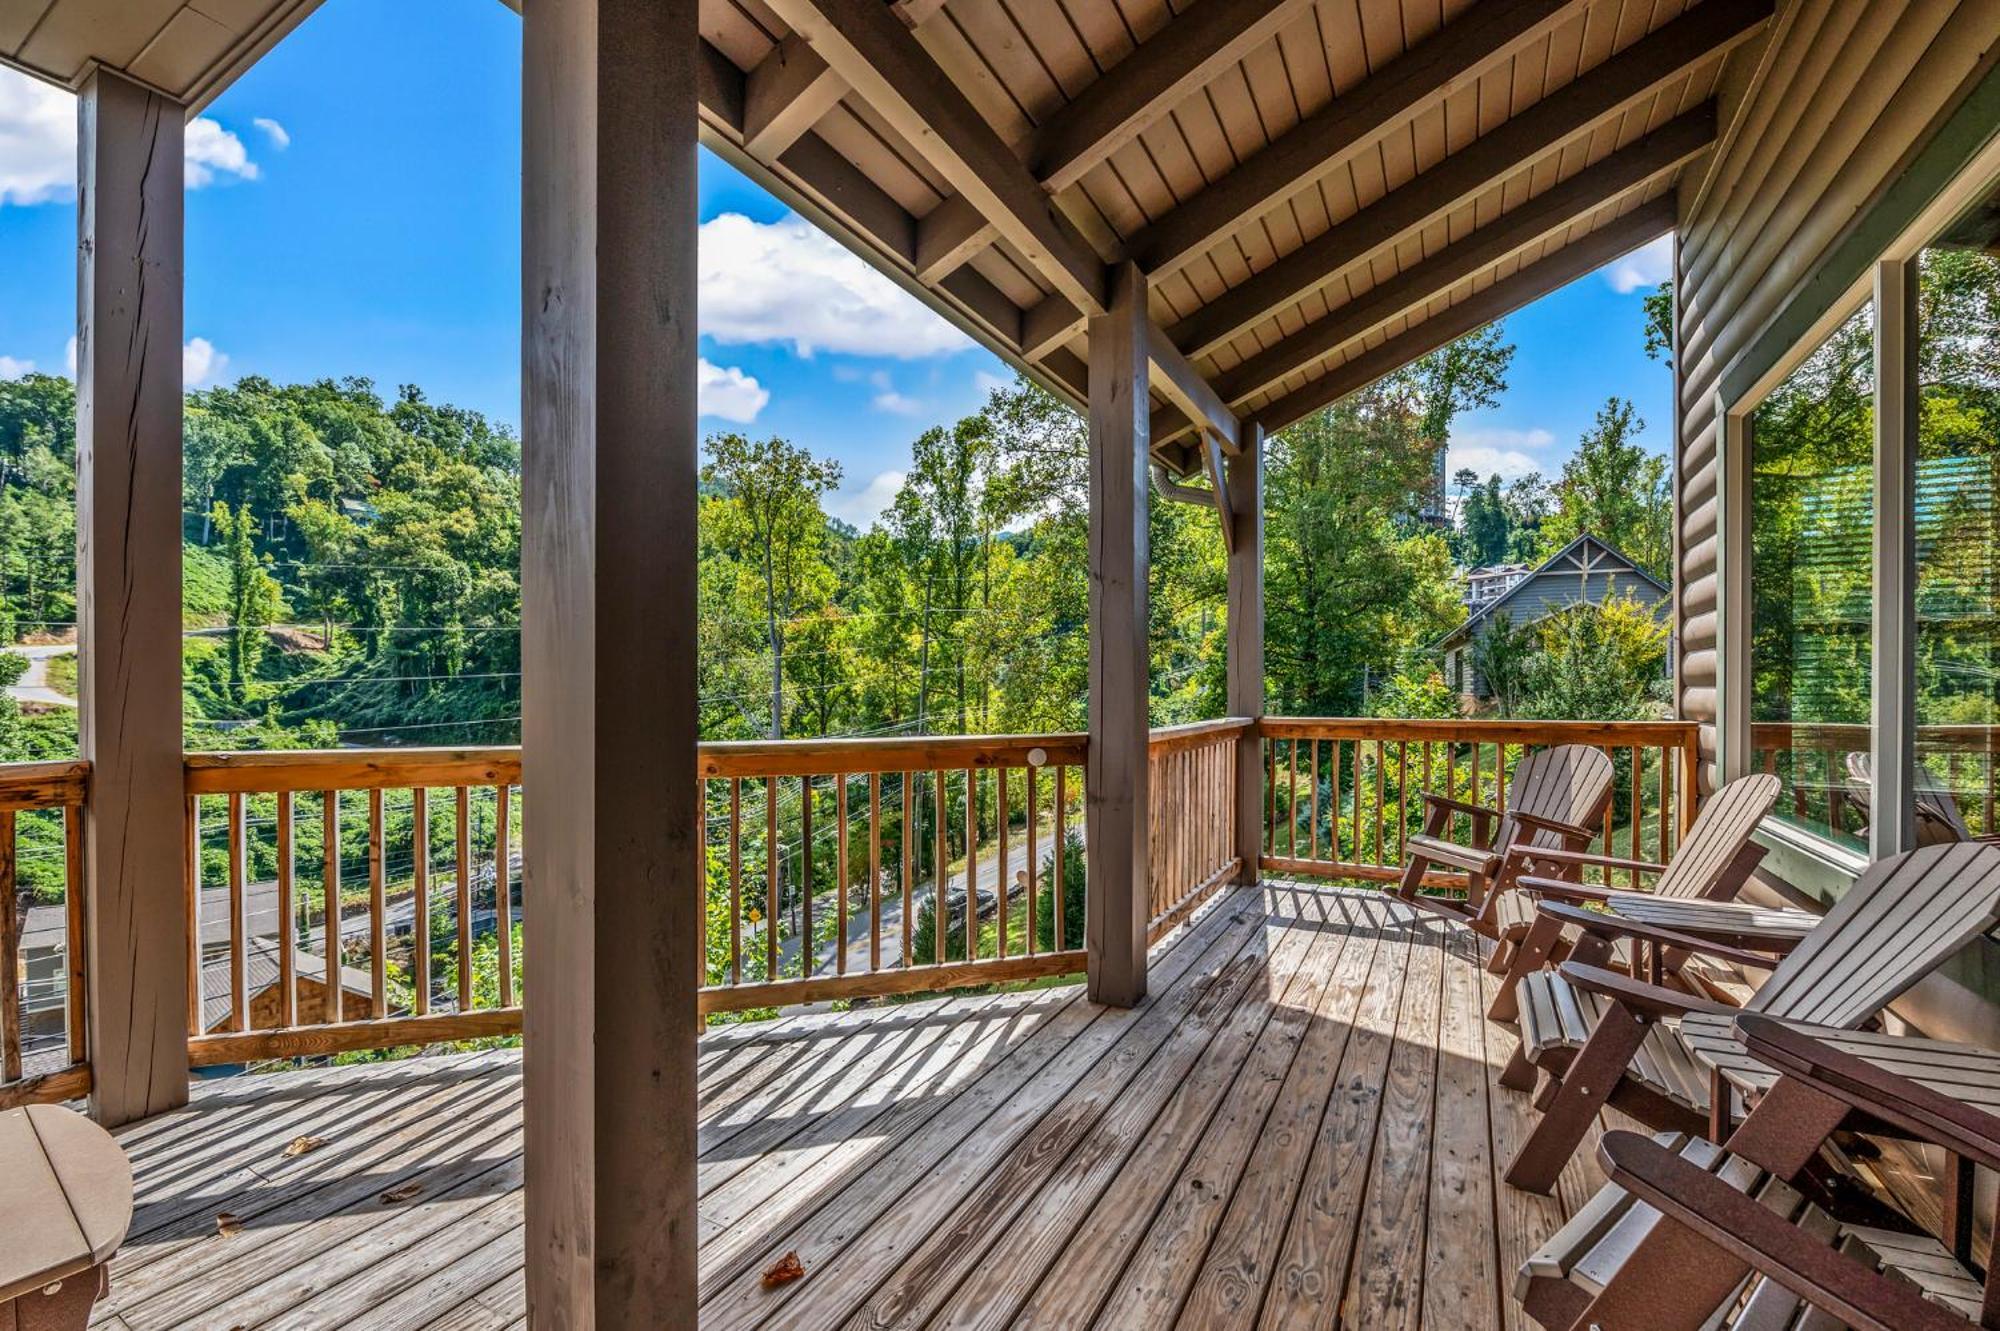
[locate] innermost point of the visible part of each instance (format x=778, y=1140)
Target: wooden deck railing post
x=1116, y=836
x=611, y=787
x=1246, y=644
x=128, y=591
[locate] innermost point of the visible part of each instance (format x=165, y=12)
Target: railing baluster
x=807, y=945
x=909, y=883
x=1270, y=796
x=1378, y=802
x=1034, y=865
x=76, y=992
x=840, y=874
x=503, y=891
x=1633, y=813
x=191, y=887
x=971, y=864
x=1360, y=785
x=465, y=899
x=940, y=878
x=10, y=955
x=1292, y=800
x=1665, y=802
x=1006, y=884
x=1312, y=839
x=773, y=859
x=378, y=933
x=239, y=923
x=420, y=901
x=874, y=871
x=329, y=906
x=288, y=987
x=1059, y=889
x=1402, y=797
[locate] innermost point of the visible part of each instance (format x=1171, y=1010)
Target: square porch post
x=1115, y=790
x=128, y=593
x=1246, y=642
x=613, y=860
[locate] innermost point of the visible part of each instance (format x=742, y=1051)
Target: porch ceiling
x=1319, y=190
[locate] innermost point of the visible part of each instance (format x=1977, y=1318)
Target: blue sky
x=351, y=211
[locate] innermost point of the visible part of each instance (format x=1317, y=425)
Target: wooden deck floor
x=1300, y=1129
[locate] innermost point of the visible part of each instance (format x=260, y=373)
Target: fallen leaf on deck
x=787, y=1270
x=402, y=1193
x=303, y=1145
x=227, y=1223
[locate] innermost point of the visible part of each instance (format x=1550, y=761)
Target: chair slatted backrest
x=1719, y=833
x=1902, y=917
x=1938, y=816
x=1569, y=783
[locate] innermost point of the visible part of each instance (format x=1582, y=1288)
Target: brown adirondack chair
x=1553, y=803
x=1691, y=1235
x=1602, y=1037
x=1712, y=863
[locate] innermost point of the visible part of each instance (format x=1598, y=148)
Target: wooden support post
x=1246, y=642
x=1892, y=820
x=128, y=592
x=1115, y=790
x=608, y=621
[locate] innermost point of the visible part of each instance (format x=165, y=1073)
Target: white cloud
x=201, y=363
x=37, y=140
x=861, y=507
x=727, y=392
x=212, y=151
x=896, y=404
x=279, y=136
x=14, y=369
x=787, y=282
x=988, y=382
x=1647, y=266
x=1502, y=451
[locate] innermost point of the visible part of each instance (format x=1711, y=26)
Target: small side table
x=65, y=1204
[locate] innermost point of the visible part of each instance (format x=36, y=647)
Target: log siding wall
x=1823, y=115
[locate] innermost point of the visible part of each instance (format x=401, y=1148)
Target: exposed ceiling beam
x=1181, y=385
x=1502, y=298
x=1421, y=77
x=948, y=236
x=1550, y=211
x=863, y=42
x=785, y=95
x=1218, y=480
x=1696, y=36
x=1160, y=73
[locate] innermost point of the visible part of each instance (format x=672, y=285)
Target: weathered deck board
x=1300, y=1127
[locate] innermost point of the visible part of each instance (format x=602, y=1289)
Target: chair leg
x=1529, y=955
x=1519, y=1074
x=1503, y=948
x=1586, y=1085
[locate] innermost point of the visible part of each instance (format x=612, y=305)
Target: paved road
x=34, y=684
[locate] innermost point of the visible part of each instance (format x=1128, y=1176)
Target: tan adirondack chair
x=1712, y=863
x=1689, y=1235
x=1554, y=801
x=1602, y=1037
x=1939, y=820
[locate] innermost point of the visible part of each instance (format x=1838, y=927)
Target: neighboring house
x=261, y=979
x=1585, y=570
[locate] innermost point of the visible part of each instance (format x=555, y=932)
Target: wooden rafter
x=1561, y=206
x=1419, y=78
x=880, y=58
x=1503, y=297
x=1218, y=480
x=1701, y=34
x=785, y=95
x=1186, y=389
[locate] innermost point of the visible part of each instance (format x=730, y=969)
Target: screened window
x=1811, y=592
x=1957, y=529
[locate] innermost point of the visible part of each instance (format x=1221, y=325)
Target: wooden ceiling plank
x=1573, y=199
x=1190, y=52
x=863, y=42
x=1503, y=297
x=785, y=95
x=1425, y=74
x=1701, y=34
x=1181, y=385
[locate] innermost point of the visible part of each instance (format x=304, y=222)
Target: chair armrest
x=1741, y=1226
x=1753, y=947
x=1929, y=1111
x=1641, y=998
x=1558, y=855
x=1556, y=825
x=1565, y=891
x=1460, y=806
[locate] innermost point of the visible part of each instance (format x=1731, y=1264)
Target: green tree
x=254, y=597
x=1598, y=663
x=1615, y=490
x=1501, y=654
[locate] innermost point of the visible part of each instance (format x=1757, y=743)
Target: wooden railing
x=1342, y=795
x=42, y=1045
x=1193, y=817
x=1823, y=789
x=335, y=902
x=826, y=859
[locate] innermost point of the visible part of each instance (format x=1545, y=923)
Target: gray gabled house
x=1585, y=570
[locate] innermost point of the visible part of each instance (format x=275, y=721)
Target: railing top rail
x=1194, y=734
x=43, y=785
x=832, y=756
x=1613, y=734
x=268, y=771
